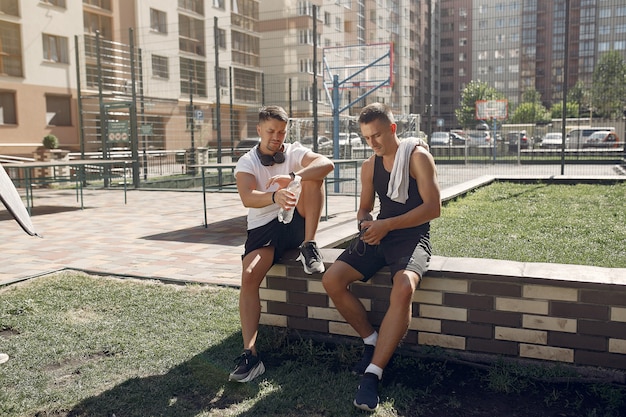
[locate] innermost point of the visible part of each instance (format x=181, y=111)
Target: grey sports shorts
x=399, y=253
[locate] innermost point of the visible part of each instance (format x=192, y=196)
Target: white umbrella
x=13, y=202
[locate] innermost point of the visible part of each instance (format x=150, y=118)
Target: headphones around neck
x=269, y=160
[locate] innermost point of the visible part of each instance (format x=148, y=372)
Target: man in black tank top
x=398, y=238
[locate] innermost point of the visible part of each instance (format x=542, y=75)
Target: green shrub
x=50, y=142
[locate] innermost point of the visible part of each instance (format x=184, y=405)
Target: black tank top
x=390, y=208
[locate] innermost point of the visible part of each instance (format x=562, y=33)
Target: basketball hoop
x=492, y=109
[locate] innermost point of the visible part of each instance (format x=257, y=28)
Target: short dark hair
x=376, y=111
x=273, y=112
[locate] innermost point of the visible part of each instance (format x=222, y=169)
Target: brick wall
x=558, y=313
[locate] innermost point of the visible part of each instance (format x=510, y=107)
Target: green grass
x=579, y=224
x=97, y=346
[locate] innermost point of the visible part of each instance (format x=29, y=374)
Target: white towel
x=398, y=188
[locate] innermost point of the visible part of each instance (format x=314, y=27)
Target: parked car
x=518, y=140
x=244, y=146
x=353, y=139
x=552, y=140
x=447, y=139
x=324, y=144
x=458, y=139
x=440, y=139
x=479, y=138
x=579, y=136
x=602, y=139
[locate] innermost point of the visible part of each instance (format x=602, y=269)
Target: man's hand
x=373, y=231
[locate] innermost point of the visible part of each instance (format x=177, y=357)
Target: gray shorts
x=399, y=253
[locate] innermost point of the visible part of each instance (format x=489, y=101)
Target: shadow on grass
x=200, y=385
x=196, y=385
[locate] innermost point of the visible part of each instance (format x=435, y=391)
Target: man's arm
x=315, y=167
x=368, y=194
x=250, y=196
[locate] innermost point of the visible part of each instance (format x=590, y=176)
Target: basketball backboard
x=492, y=109
x=359, y=66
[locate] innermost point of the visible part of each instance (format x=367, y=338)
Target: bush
x=50, y=142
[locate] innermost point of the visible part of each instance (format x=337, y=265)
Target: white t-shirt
x=251, y=163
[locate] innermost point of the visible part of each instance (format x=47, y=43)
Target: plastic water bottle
x=295, y=187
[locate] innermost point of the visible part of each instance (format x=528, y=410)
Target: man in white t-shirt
x=263, y=175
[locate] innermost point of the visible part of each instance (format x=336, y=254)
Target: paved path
x=157, y=234
x=160, y=234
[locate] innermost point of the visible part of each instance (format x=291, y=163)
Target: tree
x=576, y=95
x=473, y=92
x=531, y=110
x=531, y=113
x=609, y=85
x=556, y=110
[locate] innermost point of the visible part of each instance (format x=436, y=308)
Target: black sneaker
x=311, y=258
x=367, y=395
x=366, y=359
x=248, y=367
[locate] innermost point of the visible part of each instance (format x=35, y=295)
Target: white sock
x=373, y=369
x=371, y=339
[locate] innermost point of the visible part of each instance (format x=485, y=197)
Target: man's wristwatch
x=292, y=175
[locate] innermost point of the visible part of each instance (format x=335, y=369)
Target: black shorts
x=279, y=235
x=399, y=253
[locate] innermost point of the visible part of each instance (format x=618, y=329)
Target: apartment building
x=37, y=74
x=520, y=44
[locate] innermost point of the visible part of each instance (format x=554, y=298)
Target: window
x=158, y=21
x=245, y=49
x=55, y=48
x=305, y=94
x=514, y=68
x=462, y=72
x=197, y=71
x=9, y=7
x=103, y=4
x=619, y=45
x=58, y=3
x=93, y=23
x=305, y=8
x=326, y=19
x=58, y=110
x=191, y=35
x=108, y=77
x=219, y=4
x=462, y=41
x=462, y=56
x=7, y=108
x=160, y=67
x=306, y=65
x=10, y=49
x=196, y=6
